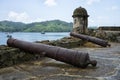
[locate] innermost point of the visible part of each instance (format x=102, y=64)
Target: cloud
x=90, y=2
x=50, y=3
x=91, y=21
x=114, y=7
x=18, y=17
x=22, y=17
x=103, y=20
x=38, y=20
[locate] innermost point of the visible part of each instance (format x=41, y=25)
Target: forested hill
x=47, y=26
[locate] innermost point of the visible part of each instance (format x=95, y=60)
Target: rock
x=11, y=56
x=112, y=36
x=66, y=42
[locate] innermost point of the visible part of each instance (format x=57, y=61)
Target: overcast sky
x=102, y=12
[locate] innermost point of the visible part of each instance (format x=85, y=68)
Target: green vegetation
x=47, y=26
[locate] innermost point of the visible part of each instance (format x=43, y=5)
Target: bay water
x=32, y=36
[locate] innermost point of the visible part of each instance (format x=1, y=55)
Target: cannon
x=73, y=57
x=95, y=40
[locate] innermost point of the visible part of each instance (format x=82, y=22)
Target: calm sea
x=32, y=36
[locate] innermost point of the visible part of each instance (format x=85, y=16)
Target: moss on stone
x=10, y=56
x=66, y=42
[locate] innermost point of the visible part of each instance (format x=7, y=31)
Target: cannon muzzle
x=95, y=40
x=69, y=56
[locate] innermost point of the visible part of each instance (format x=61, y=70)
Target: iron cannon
x=69, y=56
x=95, y=40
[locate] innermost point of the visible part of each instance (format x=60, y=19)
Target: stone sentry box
x=80, y=20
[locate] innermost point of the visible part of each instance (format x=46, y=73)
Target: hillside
x=47, y=26
x=9, y=26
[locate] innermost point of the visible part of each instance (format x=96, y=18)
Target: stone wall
x=109, y=28
x=11, y=56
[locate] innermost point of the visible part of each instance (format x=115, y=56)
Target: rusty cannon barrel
x=95, y=40
x=69, y=56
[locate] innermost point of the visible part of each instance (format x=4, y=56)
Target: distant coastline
x=46, y=26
